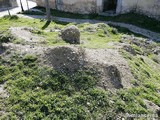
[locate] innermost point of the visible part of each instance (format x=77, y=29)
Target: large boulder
x=71, y=34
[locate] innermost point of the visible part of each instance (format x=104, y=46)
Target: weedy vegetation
x=39, y=92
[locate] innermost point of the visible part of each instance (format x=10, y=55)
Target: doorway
x=109, y=6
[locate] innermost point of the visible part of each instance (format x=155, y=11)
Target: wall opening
x=109, y=6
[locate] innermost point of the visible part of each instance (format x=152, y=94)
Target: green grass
x=130, y=18
x=39, y=92
x=98, y=38
x=146, y=73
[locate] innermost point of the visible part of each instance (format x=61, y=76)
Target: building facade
x=147, y=7
x=8, y=3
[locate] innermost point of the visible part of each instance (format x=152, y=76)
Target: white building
x=148, y=7
x=8, y=3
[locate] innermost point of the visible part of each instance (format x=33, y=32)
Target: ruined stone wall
x=147, y=7
x=79, y=6
x=75, y=6
x=8, y=3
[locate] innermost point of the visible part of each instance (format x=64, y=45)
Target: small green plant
x=13, y=17
x=6, y=37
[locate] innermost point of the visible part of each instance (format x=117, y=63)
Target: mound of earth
x=110, y=66
x=66, y=59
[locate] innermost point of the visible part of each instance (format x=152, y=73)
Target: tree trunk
x=21, y=5
x=48, y=12
x=8, y=11
x=27, y=4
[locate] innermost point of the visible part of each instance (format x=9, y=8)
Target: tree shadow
x=126, y=31
x=46, y=25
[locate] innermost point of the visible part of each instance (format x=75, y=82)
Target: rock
x=152, y=107
x=71, y=34
x=111, y=77
x=129, y=49
x=90, y=29
x=156, y=51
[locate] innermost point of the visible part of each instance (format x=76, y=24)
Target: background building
x=8, y=3
x=147, y=7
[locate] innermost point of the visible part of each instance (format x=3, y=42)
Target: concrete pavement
x=15, y=10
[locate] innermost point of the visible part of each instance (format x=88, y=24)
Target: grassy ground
x=39, y=92
x=91, y=34
x=131, y=18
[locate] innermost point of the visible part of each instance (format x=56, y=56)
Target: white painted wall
x=148, y=7
x=99, y=6
x=8, y=3
x=76, y=6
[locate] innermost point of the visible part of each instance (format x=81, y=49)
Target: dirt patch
x=3, y=96
x=113, y=68
x=25, y=34
x=152, y=107
x=110, y=66
x=66, y=58
x=3, y=92
x=21, y=50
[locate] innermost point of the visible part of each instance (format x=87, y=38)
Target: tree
x=48, y=12
x=27, y=4
x=8, y=11
x=21, y=5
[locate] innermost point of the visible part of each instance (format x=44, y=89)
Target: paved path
x=15, y=10
x=147, y=33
